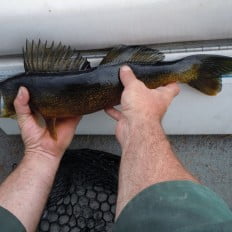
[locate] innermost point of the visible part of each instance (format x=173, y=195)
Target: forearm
x=147, y=159
x=25, y=192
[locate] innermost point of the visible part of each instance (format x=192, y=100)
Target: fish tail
x=210, y=71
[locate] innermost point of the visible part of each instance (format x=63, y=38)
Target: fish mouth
x=2, y=105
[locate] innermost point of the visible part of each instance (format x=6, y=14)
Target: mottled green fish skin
x=58, y=95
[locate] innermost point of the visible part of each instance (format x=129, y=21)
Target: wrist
x=144, y=135
x=46, y=163
x=49, y=154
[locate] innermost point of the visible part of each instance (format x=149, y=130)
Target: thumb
x=22, y=108
x=127, y=76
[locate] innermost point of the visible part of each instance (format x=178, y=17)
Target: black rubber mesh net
x=83, y=196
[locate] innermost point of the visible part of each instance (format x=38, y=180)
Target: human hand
x=36, y=138
x=141, y=108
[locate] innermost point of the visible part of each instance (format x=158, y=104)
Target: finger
x=21, y=102
x=127, y=76
x=114, y=113
x=173, y=88
x=161, y=88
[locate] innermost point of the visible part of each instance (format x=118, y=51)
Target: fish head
x=7, y=96
x=6, y=111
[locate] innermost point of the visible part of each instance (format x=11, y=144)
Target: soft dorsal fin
x=132, y=54
x=40, y=57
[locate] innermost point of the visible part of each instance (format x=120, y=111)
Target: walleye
x=62, y=84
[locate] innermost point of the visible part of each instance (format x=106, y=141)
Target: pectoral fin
x=51, y=126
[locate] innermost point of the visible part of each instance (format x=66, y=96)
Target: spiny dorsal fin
x=40, y=57
x=132, y=54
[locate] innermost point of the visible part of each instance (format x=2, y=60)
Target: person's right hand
x=36, y=138
x=141, y=108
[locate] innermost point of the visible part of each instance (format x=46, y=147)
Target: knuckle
x=125, y=93
x=174, y=89
x=177, y=90
x=140, y=83
x=139, y=86
x=16, y=103
x=161, y=98
x=166, y=99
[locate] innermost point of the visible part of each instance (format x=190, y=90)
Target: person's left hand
x=37, y=138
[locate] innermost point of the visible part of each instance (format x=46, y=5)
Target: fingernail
x=20, y=92
x=125, y=68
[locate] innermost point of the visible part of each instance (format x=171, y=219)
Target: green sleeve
x=9, y=223
x=177, y=206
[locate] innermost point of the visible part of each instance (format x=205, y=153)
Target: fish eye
x=1, y=104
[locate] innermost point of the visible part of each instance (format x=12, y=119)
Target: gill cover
x=43, y=58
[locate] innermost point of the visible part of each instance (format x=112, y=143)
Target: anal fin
x=51, y=126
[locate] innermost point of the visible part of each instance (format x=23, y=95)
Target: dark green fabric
x=9, y=223
x=175, y=206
